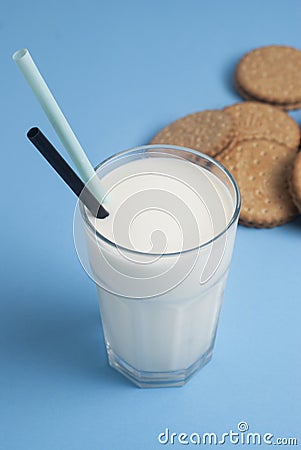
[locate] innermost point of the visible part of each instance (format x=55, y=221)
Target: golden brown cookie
x=271, y=74
x=246, y=96
x=209, y=132
x=294, y=180
x=260, y=168
x=262, y=121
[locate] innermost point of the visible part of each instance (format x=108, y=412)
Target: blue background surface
x=121, y=70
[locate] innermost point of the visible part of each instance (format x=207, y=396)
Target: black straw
x=45, y=147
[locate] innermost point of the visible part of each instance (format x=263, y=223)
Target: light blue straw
x=56, y=117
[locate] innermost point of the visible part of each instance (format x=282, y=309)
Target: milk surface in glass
x=160, y=260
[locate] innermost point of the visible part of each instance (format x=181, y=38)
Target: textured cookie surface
x=295, y=181
x=271, y=74
x=284, y=106
x=260, y=168
x=262, y=121
x=208, y=131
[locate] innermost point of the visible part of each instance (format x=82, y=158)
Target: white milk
x=160, y=294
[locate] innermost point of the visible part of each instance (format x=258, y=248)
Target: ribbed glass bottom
x=146, y=379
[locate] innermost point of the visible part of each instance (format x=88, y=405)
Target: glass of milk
x=160, y=260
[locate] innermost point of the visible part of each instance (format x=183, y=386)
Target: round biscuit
x=207, y=131
x=248, y=97
x=271, y=74
x=262, y=121
x=260, y=168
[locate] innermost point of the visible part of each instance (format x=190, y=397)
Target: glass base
x=145, y=379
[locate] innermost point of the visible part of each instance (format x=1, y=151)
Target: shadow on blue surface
x=228, y=75
x=295, y=225
x=54, y=339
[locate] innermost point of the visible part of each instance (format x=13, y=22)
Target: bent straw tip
x=102, y=213
x=19, y=54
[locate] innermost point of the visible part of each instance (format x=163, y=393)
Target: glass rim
x=143, y=149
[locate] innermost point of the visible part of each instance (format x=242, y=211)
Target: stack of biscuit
x=257, y=141
x=272, y=75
